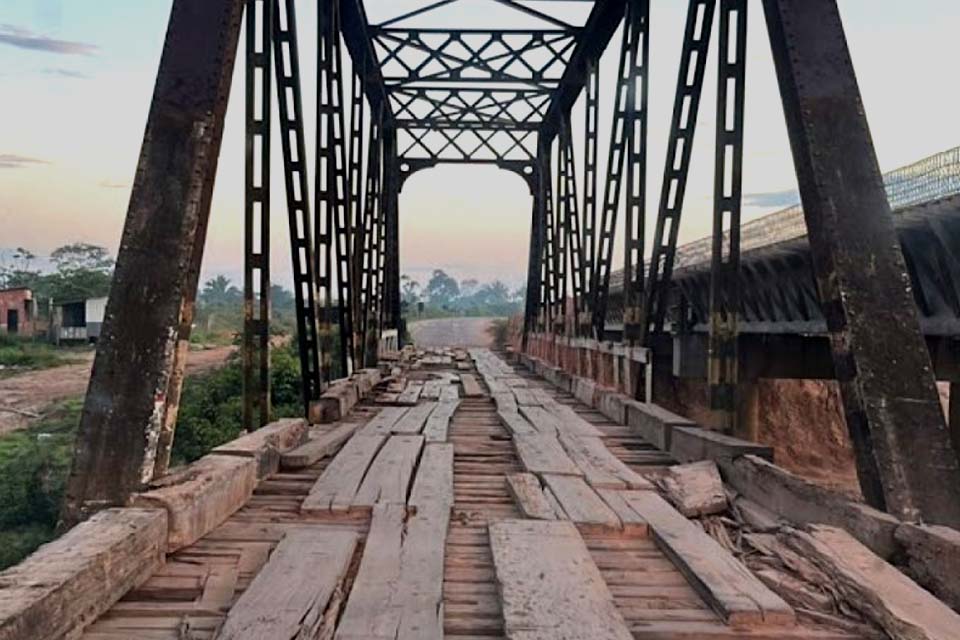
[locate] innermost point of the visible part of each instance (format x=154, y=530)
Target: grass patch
x=18, y=354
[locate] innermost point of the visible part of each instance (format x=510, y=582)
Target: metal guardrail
x=929, y=179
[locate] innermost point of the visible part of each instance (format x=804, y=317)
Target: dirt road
x=451, y=332
x=34, y=391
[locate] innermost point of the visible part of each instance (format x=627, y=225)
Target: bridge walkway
x=202, y=585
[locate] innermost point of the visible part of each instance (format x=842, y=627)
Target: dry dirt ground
x=32, y=392
x=451, y=332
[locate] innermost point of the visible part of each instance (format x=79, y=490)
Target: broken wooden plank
x=388, y=479
x=71, y=581
x=695, y=489
x=411, y=393
x=337, y=487
x=874, y=587
x=543, y=454
x=289, y=596
x=580, y=503
x=413, y=420
x=200, y=496
x=525, y=397
x=600, y=467
x=727, y=586
x=689, y=444
x=516, y=423
x=318, y=447
x=471, y=387
x=549, y=584
x=431, y=389
x=418, y=595
x=542, y=420
x=438, y=424
x=433, y=486
x=528, y=494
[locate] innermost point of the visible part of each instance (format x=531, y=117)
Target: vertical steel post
x=256, y=215
x=589, y=243
x=560, y=248
x=621, y=135
x=296, y=183
x=534, y=259
x=356, y=223
x=391, y=198
x=134, y=387
x=905, y=461
x=572, y=225
x=686, y=108
x=636, y=125
x=373, y=243
x=722, y=361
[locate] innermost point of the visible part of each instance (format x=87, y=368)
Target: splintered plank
x=570, y=421
x=888, y=597
x=727, y=586
x=413, y=420
x=549, y=584
x=528, y=494
x=337, y=487
x=411, y=393
x=516, y=423
x=367, y=613
x=290, y=594
x=438, y=424
x=388, y=479
x=383, y=422
x=600, y=467
x=581, y=503
x=471, y=387
x=318, y=447
x=433, y=486
x=543, y=454
x=632, y=523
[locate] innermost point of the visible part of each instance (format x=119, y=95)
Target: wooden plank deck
x=428, y=570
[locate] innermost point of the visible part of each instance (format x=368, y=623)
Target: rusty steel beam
x=135, y=384
x=905, y=461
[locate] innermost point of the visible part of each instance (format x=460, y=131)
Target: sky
x=76, y=78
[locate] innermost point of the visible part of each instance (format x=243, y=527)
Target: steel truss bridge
x=416, y=95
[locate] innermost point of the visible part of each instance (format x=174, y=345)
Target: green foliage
x=211, y=407
x=20, y=353
x=442, y=289
x=82, y=271
x=445, y=298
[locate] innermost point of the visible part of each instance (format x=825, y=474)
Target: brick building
x=17, y=311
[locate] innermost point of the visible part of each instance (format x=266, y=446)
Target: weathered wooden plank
x=388, y=479
x=695, y=489
x=368, y=613
x=580, y=503
x=318, y=447
x=266, y=444
x=542, y=420
x=525, y=396
x=549, y=584
x=337, y=487
x=543, y=454
x=419, y=593
x=571, y=422
x=411, y=393
x=69, y=582
x=689, y=444
x=505, y=401
x=471, y=387
x=528, y=494
x=382, y=423
x=431, y=389
x=449, y=393
x=727, y=586
x=291, y=593
x=880, y=591
x=516, y=423
x=631, y=521
x=433, y=486
x=600, y=467
x=200, y=496
x=438, y=424
x=413, y=420
x=654, y=423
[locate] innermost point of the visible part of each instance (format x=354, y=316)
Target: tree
x=219, y=291
x=468, y=287
x=80, y=256
x=442, y=289
x=410, y=289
